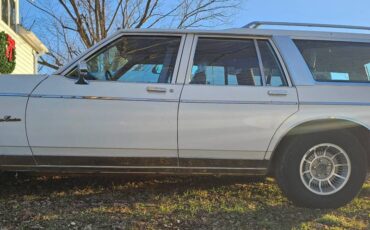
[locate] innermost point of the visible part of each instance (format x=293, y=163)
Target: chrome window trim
x=245, y=37
x=296, y=66
x=228, y=32
x=342, y=83
x=191, y=60
x=185, y=60
x=179, y=59
x=282, y=64
x=260, y=63
x=326, y=38
x=336, y=83
x=105, y=43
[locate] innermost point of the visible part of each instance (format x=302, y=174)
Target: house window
x=12, y=15
x=9, y=13
x=4, y=10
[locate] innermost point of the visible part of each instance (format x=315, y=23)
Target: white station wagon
x=291, y=104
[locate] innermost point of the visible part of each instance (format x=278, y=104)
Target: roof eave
x=32, y=40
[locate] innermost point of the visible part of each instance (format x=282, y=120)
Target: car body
x=182, y=101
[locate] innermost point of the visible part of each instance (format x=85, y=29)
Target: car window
x=226, y=62
x=336, y=61
x=271, y=67
x=139, y=59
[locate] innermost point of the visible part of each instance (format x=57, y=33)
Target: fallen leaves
x=127, y=202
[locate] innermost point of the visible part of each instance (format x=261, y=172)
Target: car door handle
x=155, y=89
x=277, y=92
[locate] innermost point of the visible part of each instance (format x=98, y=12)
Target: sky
x=349, y=12
x=346, y=12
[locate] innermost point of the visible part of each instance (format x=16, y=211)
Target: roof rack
x=256, y=24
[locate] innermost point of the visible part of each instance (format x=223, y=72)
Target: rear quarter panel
x=327, y=101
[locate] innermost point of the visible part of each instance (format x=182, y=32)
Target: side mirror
x=83, y=71
x=157, y=69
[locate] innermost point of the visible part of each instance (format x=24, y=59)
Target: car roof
x=257, y=32
x=294, y=34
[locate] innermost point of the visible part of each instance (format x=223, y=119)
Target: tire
x=294, y=175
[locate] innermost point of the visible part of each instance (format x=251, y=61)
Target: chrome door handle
x=155, y=89
x=277, y=92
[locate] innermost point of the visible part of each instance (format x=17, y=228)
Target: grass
x=164, y=202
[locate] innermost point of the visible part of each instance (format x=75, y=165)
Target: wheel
x=321, y=170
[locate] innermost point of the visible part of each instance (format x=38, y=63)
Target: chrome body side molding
x=139, y=170
x=14, y=95
x=240, y=102
x=102, y=98
x=134, y=165
x=323, y=103
x=185, y=101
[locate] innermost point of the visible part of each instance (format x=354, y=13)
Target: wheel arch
x=359, y=130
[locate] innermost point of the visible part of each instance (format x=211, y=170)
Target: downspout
x=36, y=59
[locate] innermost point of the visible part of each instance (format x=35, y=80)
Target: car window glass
x=272, y=69
x=226, y=62
x=139, y=59
x=336, y=61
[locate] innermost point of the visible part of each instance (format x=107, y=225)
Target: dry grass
x=127, y=202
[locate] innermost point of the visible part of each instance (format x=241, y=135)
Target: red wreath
x=10, y=48
x=7, y=53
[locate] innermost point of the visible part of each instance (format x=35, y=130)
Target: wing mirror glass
x=83, y=71
x=157, y=69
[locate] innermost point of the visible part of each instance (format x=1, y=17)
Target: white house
x=27, y=46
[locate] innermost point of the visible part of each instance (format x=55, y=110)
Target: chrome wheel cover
x=325, y=169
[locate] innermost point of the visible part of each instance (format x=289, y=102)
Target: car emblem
x=9, y=119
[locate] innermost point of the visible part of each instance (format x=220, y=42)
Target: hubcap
x=325, y=169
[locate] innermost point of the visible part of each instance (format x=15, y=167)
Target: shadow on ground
x=160, y=202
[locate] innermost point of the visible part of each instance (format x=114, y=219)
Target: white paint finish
x=15, y=151
x=102, y=152
x=13, y=133
x=335, y=92
x=351, y=103
x=91, y=123
x=19, y=84
x=245, y=120
x=13, y=139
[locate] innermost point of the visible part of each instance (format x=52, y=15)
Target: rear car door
x=236, y=95
x=126, y=116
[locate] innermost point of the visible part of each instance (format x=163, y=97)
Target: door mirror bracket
x=83, y=71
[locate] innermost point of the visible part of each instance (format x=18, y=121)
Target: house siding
x=25, y=59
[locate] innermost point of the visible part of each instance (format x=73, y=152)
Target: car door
x=125, y=116
x=235, y=97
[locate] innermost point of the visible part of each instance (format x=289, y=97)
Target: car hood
x=19, y=84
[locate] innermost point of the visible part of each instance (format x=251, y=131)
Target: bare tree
x=70, y=26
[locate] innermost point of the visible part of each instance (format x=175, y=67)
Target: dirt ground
x=163, y=202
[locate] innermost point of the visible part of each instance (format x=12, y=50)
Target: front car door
x=125, y=117
x=235, y=97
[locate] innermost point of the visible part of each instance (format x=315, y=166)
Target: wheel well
x=359, y=131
